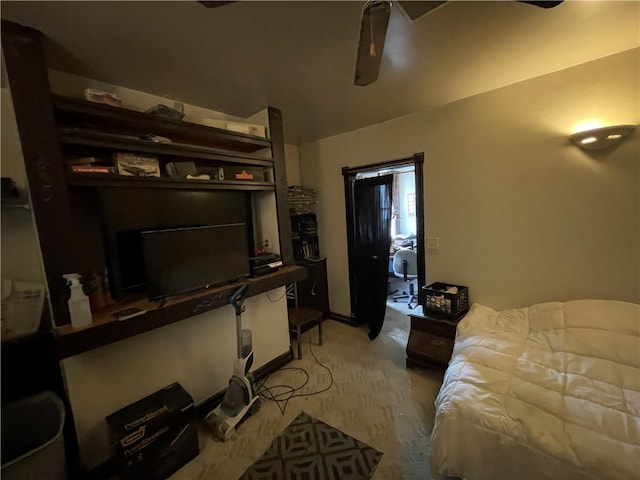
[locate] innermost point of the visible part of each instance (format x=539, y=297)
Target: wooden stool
x=303, y=317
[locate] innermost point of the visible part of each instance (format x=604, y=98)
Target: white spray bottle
x=79, y=308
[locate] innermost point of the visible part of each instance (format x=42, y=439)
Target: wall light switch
x=433, y=243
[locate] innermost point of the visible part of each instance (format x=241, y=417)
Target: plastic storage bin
x=22, y=304
x=440, y=303
x=32, y=440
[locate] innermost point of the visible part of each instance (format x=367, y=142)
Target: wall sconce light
x=600, y=138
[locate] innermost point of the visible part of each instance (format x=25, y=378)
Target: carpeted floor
x=374, y=399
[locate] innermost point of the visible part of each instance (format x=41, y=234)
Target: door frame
x=349, y=175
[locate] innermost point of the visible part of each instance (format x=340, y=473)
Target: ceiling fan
x=373, y=30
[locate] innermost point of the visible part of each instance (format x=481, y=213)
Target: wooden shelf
x=92, y=138
x=105, y=180
x=105, y=330
x=77, y=110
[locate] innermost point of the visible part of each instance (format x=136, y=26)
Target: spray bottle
x=79, y=308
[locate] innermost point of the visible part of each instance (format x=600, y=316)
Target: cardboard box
x=133, y=164
x=155, y=435
x=247, y=128
x=162, y=458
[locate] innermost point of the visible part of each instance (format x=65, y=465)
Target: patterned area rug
x=309, y=449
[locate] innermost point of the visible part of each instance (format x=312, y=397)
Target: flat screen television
x=125, y=212
x=182, y=260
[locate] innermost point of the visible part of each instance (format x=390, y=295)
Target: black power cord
x=288, y=392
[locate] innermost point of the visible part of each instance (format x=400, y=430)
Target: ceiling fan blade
x=416, y=9
x=542, y=4
x=212, y=3
x=373, y=30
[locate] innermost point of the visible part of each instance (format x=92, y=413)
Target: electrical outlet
x=433, y=243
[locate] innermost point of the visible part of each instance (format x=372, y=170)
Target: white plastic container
x=79, y=307
x=22, y=304
x=32, y=438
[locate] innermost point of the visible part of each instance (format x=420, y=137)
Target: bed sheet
x=547, y=391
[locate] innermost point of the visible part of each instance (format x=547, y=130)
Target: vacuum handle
x=237, y=297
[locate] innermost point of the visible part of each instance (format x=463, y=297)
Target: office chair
x=405, y=266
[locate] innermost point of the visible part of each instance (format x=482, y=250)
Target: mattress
x=548, y=391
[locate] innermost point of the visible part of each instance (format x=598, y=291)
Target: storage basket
x=22, y=304
x=439, y=302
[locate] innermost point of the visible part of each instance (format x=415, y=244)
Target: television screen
x=181, y=260
x=128, y=211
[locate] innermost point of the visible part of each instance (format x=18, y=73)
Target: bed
x=551, y=391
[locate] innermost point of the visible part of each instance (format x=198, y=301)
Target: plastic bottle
x=79, y=308
x=106, y=291
x=96, y=296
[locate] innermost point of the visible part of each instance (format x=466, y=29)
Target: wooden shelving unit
x=105, y=329
x=55, y=129
x=77, y=111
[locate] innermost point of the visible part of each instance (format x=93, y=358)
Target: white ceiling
x=299, y=56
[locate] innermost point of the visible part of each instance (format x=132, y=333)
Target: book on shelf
x=101, y=169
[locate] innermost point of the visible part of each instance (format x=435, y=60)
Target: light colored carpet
x=374, y=398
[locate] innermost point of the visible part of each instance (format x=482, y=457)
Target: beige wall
x=292, y=158
x=523, y=215
x=19, y=245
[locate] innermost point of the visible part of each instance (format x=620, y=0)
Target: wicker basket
x=439, y=302
x=22, y=304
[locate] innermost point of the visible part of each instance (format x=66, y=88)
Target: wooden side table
x=430, y=342
x=300, y=320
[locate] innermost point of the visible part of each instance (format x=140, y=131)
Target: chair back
x=411, y=258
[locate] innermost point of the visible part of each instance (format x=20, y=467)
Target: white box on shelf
x=248, y=128
x=209, y=122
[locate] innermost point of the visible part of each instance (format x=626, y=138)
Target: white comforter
x=549, y=391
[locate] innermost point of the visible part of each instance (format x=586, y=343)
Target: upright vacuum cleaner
x=240, y=400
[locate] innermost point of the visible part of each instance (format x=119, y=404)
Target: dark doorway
x=372, y=237
x=368, y=216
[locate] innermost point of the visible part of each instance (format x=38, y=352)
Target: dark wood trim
x=348, y=319
x=348, y=179
x=282, y=192
x=420, y=229
x=105, y=330
x=29, y=82
x=379, y=166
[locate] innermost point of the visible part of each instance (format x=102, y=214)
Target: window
x=411, y=204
